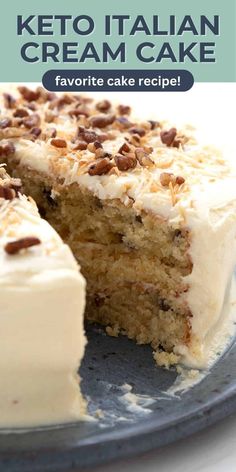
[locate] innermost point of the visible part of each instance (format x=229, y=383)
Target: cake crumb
x=113, y=330
x=165, y=359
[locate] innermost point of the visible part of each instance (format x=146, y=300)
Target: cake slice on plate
x=42, y=298
x=148, y=213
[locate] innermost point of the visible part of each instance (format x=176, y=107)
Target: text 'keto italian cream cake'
x=42, y=298
x=148, y=213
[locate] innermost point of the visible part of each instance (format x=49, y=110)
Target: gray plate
x=109, y=363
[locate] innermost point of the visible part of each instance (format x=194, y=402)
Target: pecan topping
x=124, y=148
x=89, y=136
x=143, y=157
x=81, y=110
x=29, y=95
x=169, y=137
x=9, y=100
x=126, y=162
x=31, y=121
x=124, y=109
x=123, y=122
x=153, y=124
x=101, y=167
x=59, y=142
x=140, y=131
x=7, y=149
x=92, y=147
x=10, y=188
x=7, y=193
x=167, y=177
x=35, y=132
x=5, y=123
x=179, y=180
x=15, y=246
x=79, y=146
x=101, y=121
x=103, y=106
x=61, y=102
x=20, y=113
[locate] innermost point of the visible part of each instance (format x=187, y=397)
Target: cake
x=42, y=297
x=147, y=211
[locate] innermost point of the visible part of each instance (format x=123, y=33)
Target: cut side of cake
x=148, y=213
x=42, y=299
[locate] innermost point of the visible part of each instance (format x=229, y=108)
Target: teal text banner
x=37, y=36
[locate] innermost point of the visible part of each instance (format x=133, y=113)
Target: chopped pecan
x=166, y=178
x=101, y=167
x=28, y=94
x=136, y=130
x=14, y=247
x=154, y=124
x=103, y=105
x=179, y=180
x=5, y=123
x=9, y=100
x=7, y=193
x=7, y=148
x=35, y=132
x=169, y=137
x=31, y=121
x=123, y=122
x=81, y=110
x=61, y=102
x=58, y=142
x=79, y=145
x=124, y=148
x=88, y=135
x=92, y=147
x=20, y=113
x=101, y=121
x=126, y=162
x=124, y=109
x=143, y=157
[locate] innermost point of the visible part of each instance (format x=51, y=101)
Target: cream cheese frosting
x=205, y=203
x=42, y=299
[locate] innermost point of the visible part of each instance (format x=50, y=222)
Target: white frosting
x=42, y=298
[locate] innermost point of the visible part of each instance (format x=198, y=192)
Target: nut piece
x=20, y=113
x=31, y=121
x=179, y=180
x=136, y=130
x=29, y=95
x=166, y=178
x=7, y=149
x=124, y=148
x=126, y=162
x=9, y=100
x=15, y=246
x=143, y=157
x=169, y=137
x=101, y=121
x=7, y=193
x=101, y=167
x=59, y=142
x=5, y=123
x=124, y=109
x=103, y=106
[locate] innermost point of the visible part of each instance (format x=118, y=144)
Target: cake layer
x=147, y=194
x=42, y=298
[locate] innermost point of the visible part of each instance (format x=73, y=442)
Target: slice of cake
x=148, y=213
x=42, y=298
